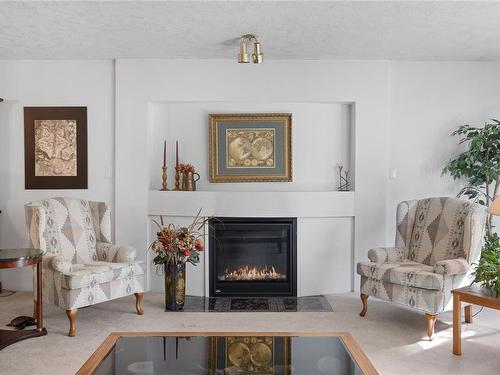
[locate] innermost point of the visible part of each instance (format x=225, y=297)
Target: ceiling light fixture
x=243, y=55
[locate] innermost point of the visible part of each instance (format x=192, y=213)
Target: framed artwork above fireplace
x=250, y=147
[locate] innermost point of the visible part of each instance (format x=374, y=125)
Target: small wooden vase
x=175, y=286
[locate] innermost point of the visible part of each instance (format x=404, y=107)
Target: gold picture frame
x=250, y=355
x=250, y=147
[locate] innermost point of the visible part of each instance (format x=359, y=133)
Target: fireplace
x=253, y=257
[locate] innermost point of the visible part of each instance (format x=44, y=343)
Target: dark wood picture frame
x=31, y=114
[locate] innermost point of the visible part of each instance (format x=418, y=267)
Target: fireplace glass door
x=252, y=256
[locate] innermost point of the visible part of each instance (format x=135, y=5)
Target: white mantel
x=305, y=204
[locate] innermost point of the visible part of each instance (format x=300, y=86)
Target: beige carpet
x=393, y=338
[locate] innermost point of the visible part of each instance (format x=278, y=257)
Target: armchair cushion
x=91, y=274
x=386, y=254
x=113, y=253
x=452, y=266
x=426, y=300
x=406, y=273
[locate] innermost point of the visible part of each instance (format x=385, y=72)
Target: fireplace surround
x=253, y=256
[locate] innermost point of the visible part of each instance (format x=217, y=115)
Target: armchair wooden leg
x=364, y=300
x=468, y=313
x=72, y=322
x=431, y=320
x=138, y=300
x=35, y=309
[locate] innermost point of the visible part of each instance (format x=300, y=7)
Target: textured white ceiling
x=403, y=30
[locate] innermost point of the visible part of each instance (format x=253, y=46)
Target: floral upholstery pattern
x=437, y=240
x=80, y=265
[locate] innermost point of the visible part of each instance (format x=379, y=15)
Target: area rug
x=257, y=304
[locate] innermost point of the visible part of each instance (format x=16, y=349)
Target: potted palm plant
x=479, y=165
x=173, y=248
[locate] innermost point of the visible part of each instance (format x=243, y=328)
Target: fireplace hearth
x=253, y=257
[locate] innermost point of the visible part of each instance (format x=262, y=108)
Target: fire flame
x=251, y=273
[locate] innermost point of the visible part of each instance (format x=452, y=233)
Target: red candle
x=176, y=154
x=164, y=154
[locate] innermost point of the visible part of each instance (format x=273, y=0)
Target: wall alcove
x=322, y=138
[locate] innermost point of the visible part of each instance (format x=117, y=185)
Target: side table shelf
x=16, y=258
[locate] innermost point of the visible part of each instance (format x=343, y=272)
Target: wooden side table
x=15, y=258
x=474, y=295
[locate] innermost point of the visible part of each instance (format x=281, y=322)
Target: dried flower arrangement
x=185, y=168
x=177, y=245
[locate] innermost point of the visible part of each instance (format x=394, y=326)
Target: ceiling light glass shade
x=257, y=55
x=243, y=56
x=495, y=206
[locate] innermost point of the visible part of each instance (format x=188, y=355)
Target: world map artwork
x=250, y=148
x=55, y=148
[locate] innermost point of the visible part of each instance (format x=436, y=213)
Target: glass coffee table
x=155, y=353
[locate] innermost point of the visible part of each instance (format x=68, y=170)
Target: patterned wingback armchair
x=80, y=265
x=437, y=240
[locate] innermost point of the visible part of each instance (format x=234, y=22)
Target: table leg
x=457, y=325
x=468, y=313
x=39, y=317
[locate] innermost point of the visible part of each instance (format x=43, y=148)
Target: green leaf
x=487, y=271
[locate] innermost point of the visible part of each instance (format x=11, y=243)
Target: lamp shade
x=495, y=206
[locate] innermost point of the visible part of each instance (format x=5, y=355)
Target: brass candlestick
x=164, y=176
x=177, y=180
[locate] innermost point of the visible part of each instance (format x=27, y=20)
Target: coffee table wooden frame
x=105, y=348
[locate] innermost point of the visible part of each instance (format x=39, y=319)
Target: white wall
x=428, y=101
x=51, y=83
x=404, y=113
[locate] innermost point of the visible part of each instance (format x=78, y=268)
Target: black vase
x=175, y=286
